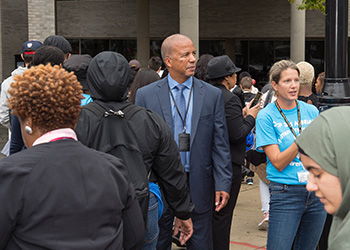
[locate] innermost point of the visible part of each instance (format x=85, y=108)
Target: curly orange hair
x=49, y=95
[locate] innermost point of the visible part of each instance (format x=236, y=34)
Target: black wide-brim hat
x=221, y=66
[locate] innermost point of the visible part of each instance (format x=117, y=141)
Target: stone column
x=297, y=33
x=41, y=19
x=143, y=43
x=189, y=20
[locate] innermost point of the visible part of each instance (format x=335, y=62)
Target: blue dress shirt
x=186, y=93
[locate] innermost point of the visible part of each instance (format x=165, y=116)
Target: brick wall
x=96, y=19
x=225, y=19
x=41, y=19
x=13, y=33
x=218, y=19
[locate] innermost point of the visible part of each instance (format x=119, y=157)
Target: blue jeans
x=295, y=214
x=152, y=231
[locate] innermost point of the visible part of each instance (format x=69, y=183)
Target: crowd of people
x=104, y=154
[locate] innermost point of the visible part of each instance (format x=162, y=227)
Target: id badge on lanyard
x=303, y=176
x=184, y=138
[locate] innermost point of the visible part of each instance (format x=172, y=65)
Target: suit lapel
x=198, y=99
x=164, y=102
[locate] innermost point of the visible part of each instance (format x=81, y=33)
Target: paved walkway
x=244, y=231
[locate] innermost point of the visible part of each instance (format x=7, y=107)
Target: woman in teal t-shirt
x=295, y=213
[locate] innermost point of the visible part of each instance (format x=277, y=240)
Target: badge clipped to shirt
x=184, y=142
x=303, y=176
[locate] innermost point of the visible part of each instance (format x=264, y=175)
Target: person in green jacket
x=324, y=151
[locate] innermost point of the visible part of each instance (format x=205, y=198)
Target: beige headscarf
x=327, y=142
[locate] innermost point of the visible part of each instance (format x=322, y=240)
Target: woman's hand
x=251, y=111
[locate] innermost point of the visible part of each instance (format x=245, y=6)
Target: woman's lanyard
x=285, y=118
x=177, y=109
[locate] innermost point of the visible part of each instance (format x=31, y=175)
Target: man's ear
x=22, y=57
x=167, y=62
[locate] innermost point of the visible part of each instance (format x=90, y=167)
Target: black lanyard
x=177, y=109
x=285, y=118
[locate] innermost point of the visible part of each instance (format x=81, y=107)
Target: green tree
x=311, y=5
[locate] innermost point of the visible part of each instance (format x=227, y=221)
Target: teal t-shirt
x=271, y=128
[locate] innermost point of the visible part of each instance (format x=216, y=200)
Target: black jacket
x=155, y=140
x=63, y=195
x=238, y=127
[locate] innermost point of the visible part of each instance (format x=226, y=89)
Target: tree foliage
x=311, y=5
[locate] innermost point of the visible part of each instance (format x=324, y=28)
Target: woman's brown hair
x=49, y=95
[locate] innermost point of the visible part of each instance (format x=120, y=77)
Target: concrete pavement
x=247, y=215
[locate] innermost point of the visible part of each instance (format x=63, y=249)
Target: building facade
x=254, y=33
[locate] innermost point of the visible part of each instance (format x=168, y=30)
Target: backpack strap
x=124, y=109
x=98, y=110
x=103, y=109
x=130, y=110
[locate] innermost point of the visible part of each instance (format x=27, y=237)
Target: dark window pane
x=314, y=54
x=261, y=57
x=75, y=45
x=125, y=47
x=155, y=46
x=282, y=50
x=212, y=47
x=19, y=61
x=242, y=53
x=94, y=46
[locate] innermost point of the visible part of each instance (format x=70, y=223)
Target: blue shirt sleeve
x=265, y=133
